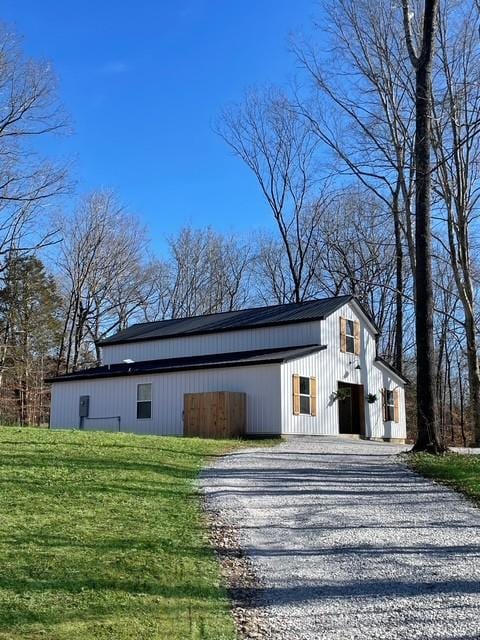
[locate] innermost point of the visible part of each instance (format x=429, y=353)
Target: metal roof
x=190, y=363
x=391, y=368
x=231, y=320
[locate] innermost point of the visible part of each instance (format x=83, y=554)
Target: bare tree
x=271, y=274
x=29, y=109
x=279, y=147
x=102, y=273
x=356, y=255
x=364, y=114
x=205, y=272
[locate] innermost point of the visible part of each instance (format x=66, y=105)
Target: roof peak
x=243, y=309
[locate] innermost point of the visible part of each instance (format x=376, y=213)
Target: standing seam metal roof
x=230, y=320
x=191, y=363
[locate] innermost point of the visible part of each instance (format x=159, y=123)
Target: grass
x=458, y=471
x=102, y=537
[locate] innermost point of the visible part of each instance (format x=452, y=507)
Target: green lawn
x=461, y=472
x=101, y=536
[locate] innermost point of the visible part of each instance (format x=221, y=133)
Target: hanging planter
x=340, y=394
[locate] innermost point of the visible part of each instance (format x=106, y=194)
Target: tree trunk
x=398, y=346
x=473, y=376
x=461, y=397
x=427, y=428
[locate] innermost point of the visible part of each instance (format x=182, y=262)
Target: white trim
x=358, y=309
x=351, y=336
x=391, y=372
x=305, y=395
x=143, y=384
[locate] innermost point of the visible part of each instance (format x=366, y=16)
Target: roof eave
x=392, y=369
x=300, y=353
x=365, y=314
x=178, y=369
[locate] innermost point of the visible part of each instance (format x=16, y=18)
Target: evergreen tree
x=30, y=328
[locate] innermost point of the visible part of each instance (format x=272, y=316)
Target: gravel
x=344, y=542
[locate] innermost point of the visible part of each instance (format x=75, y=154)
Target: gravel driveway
x=348, y=543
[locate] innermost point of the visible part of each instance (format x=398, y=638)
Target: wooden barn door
x=216, y=414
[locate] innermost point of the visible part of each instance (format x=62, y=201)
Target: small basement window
x=144, y=401
x=350, y=336
x=305, y=395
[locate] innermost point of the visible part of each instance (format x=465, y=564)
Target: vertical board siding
x=268, y=388
x=331, y=366
x=304, y=333
x=117, y=397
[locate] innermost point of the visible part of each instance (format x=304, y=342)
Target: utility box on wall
x=215, y=414
x=84, y=406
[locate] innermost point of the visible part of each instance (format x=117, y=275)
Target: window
x=304, y=395
x=389, y=405
x=350, y=336
x=144, y=401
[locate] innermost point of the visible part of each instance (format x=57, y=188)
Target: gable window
x=144, y=401
x=350, y=336
x=304, y=395
x=390, y=405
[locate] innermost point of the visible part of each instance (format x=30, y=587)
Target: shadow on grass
x=88, y=464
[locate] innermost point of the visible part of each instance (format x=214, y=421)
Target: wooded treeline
x=334, y=159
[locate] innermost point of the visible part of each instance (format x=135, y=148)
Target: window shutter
x=343, y=335
x=313, y=396
x=384, y=405
x=356, y=335
x=296, y=394
x=396, y=408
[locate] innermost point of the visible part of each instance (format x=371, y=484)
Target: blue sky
x=143, y=82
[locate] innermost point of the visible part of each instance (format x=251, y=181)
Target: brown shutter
x=356, y=334
x=384, y=405
x=396, y=408
x=296, y=394
x=343, y=335
x=313, y=396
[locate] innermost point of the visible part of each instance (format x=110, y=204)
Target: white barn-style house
x=308, y=368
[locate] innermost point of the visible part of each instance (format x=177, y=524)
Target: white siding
x=304, y=333
x=331, y=366
x=117, y=397
x=315, y=365
x=382, y=379
x=268, y=387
